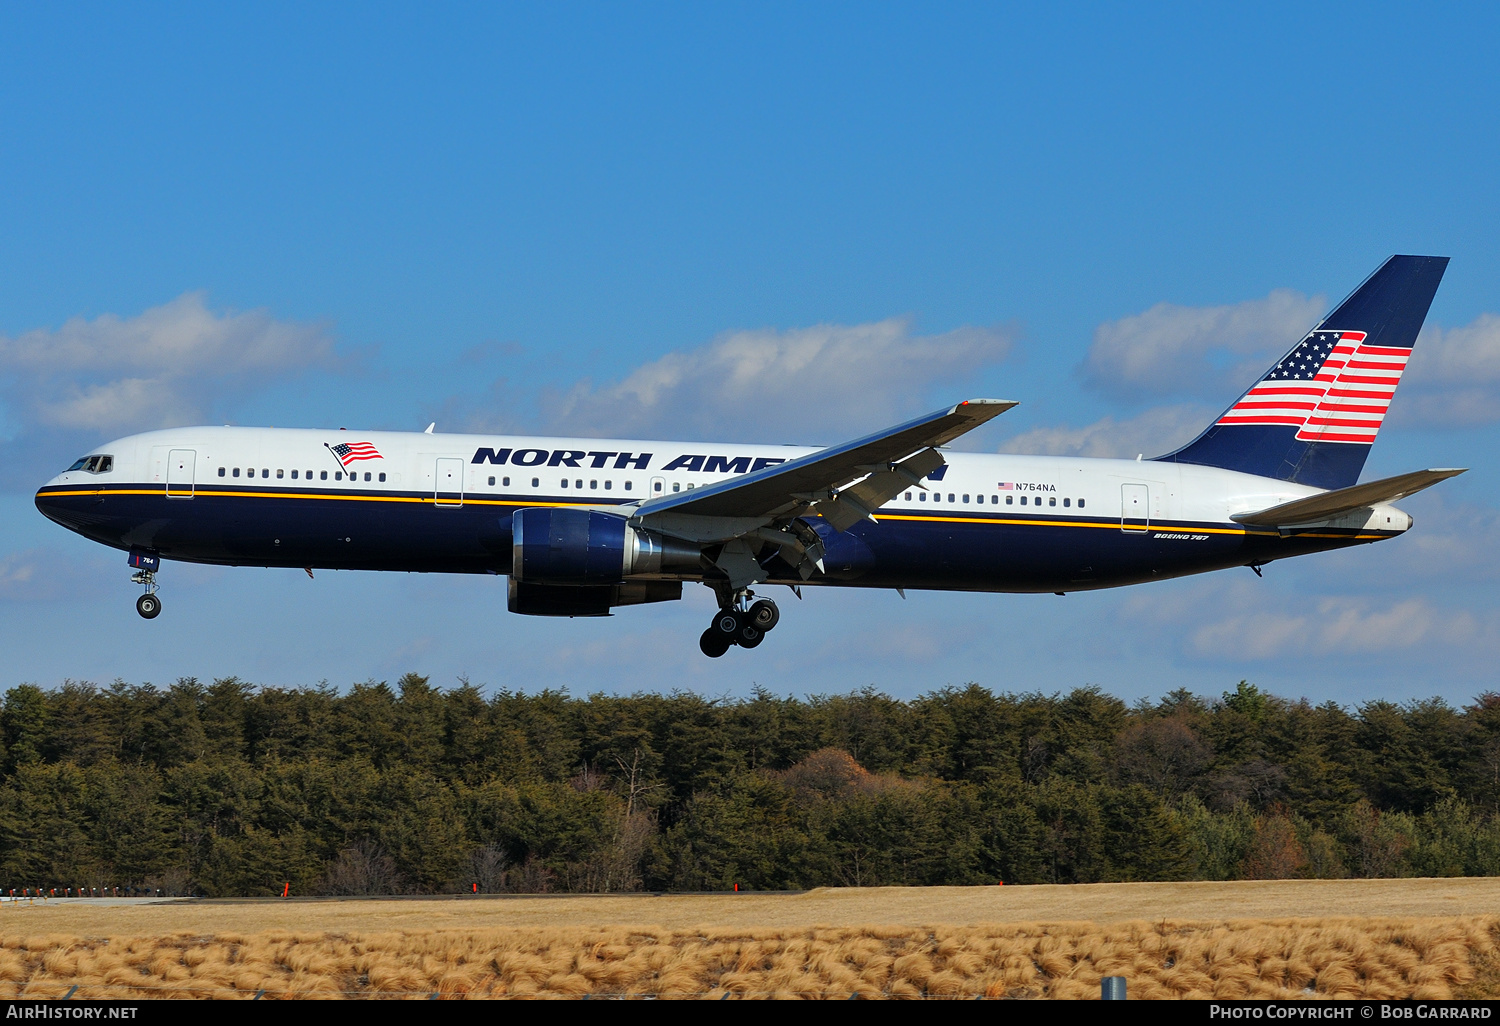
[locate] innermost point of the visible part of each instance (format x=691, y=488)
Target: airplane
x=581, y=526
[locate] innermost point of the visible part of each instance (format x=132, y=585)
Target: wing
x=815, y=478
x=1327, y=505
x=754, y=510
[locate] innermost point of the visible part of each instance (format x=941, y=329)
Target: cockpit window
x=95, y=464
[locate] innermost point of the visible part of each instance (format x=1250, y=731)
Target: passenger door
x=1135, y=508
x=180, y=473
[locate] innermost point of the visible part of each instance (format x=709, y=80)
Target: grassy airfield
x=1272, y=939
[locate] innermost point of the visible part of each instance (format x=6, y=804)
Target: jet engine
x=581, y=547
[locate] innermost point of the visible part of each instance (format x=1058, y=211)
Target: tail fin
x=1313, y=417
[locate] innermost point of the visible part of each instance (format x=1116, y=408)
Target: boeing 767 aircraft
x=583, y=525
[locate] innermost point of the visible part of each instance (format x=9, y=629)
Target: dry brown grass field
x=933, y=944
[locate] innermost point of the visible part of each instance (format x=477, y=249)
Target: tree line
x=231, y=789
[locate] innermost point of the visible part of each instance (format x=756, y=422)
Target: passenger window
x=382, y=476
x=322, y=475
x=236, y=471
x=1052, y=501
x=1023, y=500
x=492, y=482
x=921, y=496
x=536, y=482
x=1010, y=500
x=1067, y=502
x=221, y=471
x=950, y=496
x=966, y=498
x=690, y=486
x=294, y=475
x=504, y=481
x=994, y=500
x=1080, y=504
x=608, y=484
x=658, y=486
x=676, y=487
x=308, y=475
x=280, y=474
x=578, y=483
x=265, y=472
x=593, y=486
x=565, y=482
x=367, y=475
x=627, y=486
x=908, y=496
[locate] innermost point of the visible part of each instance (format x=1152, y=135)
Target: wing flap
x=1327, y=505
x=851, y=505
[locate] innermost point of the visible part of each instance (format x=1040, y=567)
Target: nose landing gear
x=741, y=622
x=148, y=605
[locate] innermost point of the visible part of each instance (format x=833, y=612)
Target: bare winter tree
x=361, y=869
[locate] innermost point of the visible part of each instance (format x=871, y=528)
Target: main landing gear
x=744, y=621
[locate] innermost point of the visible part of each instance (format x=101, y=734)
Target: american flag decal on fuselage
x=353, y=452
x=1332, y=388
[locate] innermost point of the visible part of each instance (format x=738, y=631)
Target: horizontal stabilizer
x=1327, y=505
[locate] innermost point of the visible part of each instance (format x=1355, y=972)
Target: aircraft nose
x=48, y=503
x=55, y=503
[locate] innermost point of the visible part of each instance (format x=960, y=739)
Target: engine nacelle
x=575, y=547
x=532, y=599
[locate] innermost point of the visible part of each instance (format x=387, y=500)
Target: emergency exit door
x=1135, y=508
x=180, y=473
x=449, y=482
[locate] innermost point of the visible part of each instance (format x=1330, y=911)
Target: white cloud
x=1212, y=352
x=170, y=365
x=816, y=385
x=1154, y=432
x=1334, y=626
x=47, y=574
x=1453, y=379
x=1215, y=352
x=1229, y=618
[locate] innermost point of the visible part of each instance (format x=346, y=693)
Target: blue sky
x=512, y=217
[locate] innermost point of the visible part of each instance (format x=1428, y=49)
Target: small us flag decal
x=353, y=452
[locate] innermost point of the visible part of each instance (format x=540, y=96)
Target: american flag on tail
x=353, y=452
x=1332, y=388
